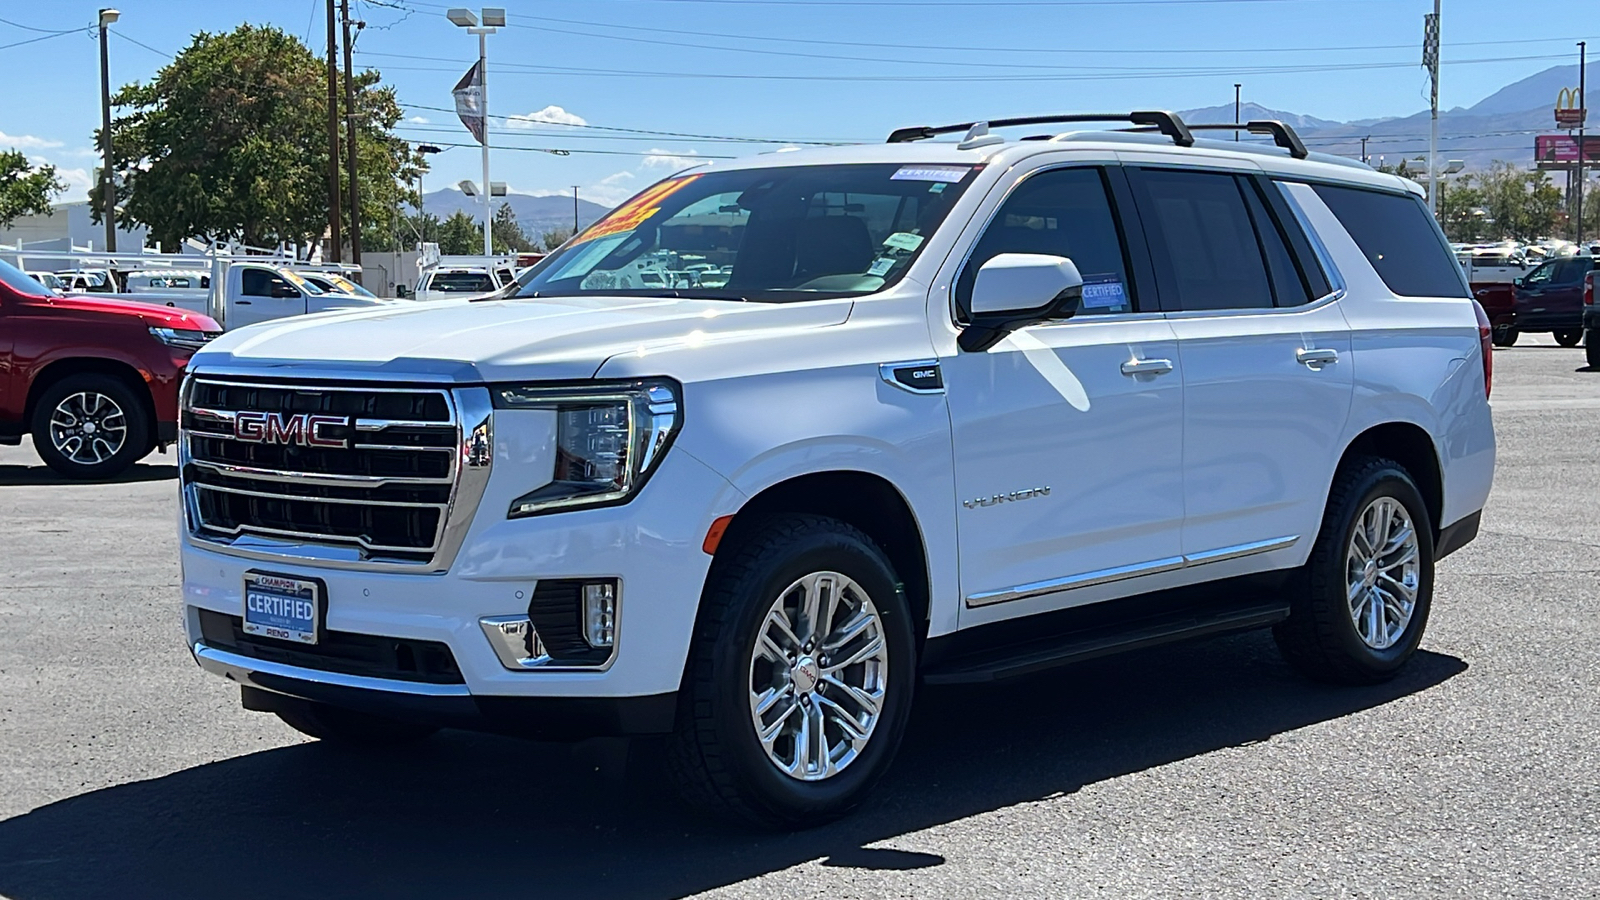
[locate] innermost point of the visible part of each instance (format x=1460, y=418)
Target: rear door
x=1264, y=352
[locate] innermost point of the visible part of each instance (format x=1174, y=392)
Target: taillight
x=1484, y=332
x=1588, y=290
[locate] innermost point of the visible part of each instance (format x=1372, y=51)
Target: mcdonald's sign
x=1570, y=110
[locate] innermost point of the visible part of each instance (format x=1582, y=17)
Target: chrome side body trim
x=1122, y=573
x=242, y=669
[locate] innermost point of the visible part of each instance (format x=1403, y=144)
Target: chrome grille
x=367, y=476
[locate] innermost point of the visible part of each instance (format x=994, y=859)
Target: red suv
x=95, y=381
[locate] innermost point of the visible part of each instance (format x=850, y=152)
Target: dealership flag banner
x=469, y=100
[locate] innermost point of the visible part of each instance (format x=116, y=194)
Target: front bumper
x=650, y=545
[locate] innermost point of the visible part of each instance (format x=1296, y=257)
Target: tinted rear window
x=1399, y=238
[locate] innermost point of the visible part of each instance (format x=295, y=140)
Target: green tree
x=1520, y=204
x=507, y=232
x=555, y=238
x=1461, y=210
x=229, y=141
x=460, y=235
x=25, y=190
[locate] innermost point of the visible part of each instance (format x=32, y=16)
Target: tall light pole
x=1236, y=87
x=1583, y=115
x=574, y=209
x=108, y=200
x=424, y=151
x=1430, y=60
x=493, y=18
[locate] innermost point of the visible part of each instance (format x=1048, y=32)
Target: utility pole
x=1583, y=116
x=1364, y=157
x=335, y=240
x=108, y=190
x=350, y=139
x=574, y=209
x=1236, y=87
x=1430, y=59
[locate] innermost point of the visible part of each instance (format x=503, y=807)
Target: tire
x=116, y=419
x=337, y=725
x=1569, y=338
x=1321, y=638
x=716, y=756
x=1504, y=336
x=1591, y=347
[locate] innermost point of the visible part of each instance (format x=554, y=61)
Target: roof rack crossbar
x=1165, y=122
x=1282, y=134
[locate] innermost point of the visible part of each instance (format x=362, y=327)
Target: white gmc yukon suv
x=920, y=412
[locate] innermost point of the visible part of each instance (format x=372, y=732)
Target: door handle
x=1147, y=367
x=1316, y=359
x=241, y=303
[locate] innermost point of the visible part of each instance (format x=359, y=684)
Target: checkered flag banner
x=1430, y=42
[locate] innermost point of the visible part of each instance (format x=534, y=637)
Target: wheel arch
x=57, y=370
x=867, y=501
x=1412, y=447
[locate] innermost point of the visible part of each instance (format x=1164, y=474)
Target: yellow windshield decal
x=635, y=212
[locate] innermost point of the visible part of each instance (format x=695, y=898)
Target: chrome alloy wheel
x=818, y=676
x=1383, y=572
x=88, y=428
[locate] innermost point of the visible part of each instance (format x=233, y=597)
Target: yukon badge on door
x=998, y=499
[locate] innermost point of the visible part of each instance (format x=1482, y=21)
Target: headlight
x=182, y=338
x=609, y=438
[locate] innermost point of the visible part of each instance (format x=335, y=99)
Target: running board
x=1103, y=640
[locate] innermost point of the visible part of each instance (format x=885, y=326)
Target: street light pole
x=1430, y=57
x=574, y=209
x=108, y=199
x=1236, y=87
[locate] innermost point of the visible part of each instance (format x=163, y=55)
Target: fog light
x=600, y=614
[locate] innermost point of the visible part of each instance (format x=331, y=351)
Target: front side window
x=769, y=235
x=1400, y=238
x=1542, y=274
x=256, y=283
x=1059, y=212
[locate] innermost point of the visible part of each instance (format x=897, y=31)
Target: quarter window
x=1400, y=238
x=1060, y=212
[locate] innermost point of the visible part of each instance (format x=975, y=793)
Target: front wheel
x=1569, y=338
x=1361, y=603
x=1504, y=336
x=800, y=678
x=90, y=426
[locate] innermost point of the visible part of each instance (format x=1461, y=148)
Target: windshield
x=774, y=234
x=21, y=282
x=461, y=282
x=304, y=285
x=345, y=285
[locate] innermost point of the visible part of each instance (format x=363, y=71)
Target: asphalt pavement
x=1200, y=770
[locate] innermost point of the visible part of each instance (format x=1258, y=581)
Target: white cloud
x=418, y=120
x=618, y=178
x=550, y=115
x=25, y=142
x=78, y=183
x=664, y=159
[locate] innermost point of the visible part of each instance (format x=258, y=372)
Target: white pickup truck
x=254, y=292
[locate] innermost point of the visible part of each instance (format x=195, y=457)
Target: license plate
x=287, y=609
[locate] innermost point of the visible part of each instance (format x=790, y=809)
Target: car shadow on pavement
x=40, y=475
x=472, y=816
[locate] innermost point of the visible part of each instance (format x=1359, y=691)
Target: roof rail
x=1165, y=122
x=1282, y=134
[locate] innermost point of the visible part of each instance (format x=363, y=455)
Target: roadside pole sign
x=1570, y=109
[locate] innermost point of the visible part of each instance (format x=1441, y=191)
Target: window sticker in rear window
x=947, y=174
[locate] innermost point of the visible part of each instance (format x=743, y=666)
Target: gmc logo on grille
x=303, y=429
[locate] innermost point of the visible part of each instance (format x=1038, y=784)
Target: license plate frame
x=286, y=608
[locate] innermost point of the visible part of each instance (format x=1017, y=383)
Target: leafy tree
x=25, y=190
x=460, y=235
x=1522, y=205
x=555, y=238
x=507, y=232
x=1461, y=210
x=229, y=141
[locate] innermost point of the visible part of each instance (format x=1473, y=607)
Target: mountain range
x=1499, y=127
x=536, y=214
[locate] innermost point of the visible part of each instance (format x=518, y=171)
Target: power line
x=565, y=152
x=50, y=31
x=45, y=37
x=644, y=131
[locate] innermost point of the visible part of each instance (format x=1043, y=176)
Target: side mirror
x=1015, y=290
x=402, y=292
x=1517, y=281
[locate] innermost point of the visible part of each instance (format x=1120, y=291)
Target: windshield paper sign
x=635, y=212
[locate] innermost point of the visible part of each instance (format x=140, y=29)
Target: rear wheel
x=347, y=726
x=1362, y=600
x=800, y=680
x=1504, y=335
x=1591, y=347
x=90, y=426
x=1569, y=338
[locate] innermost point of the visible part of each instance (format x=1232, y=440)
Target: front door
x=1067, y=435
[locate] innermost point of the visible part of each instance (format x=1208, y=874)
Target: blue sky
x=791, y=70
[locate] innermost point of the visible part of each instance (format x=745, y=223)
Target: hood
x=502, y=340
x=152, y=314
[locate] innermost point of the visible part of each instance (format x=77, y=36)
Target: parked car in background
x=1491, y=272
x=93, y=380
x=1591, y=322
x=455, y=281
x=50, y=280
x=958, y=412
x=334, y=283
x=250, y=292
x=87, y=281
x=1550, y=300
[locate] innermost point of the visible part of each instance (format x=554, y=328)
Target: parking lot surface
x=1202, y=770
